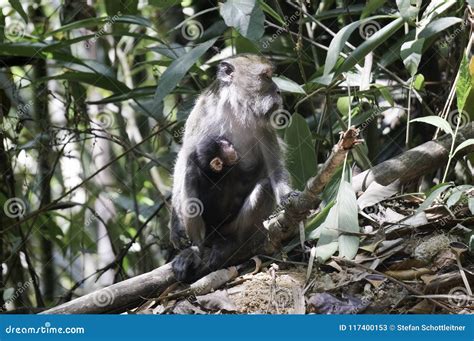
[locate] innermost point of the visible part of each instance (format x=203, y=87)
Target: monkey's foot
x=186, y=264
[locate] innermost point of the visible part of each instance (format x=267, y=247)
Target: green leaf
x=371, y=7
x=438, y=25
x=385, y=93
x=454, y=198
x=16, y=4
x=337, y=44
x=463, y=86
x=100, y=81
x=164, y=3
x=120, y=7
x=8, y=293
x=268, y=9
x=92, y=22
x=245, y=16
x=436, y=121
x=419, y=82
x=411, y=55
x=288, y=85
x=176, y=71
x=465, y=144
x=328, y=244
x=370, y=44
x=343, y=216
x=435, y=192
x=344, y=105
x=301, y=156
x=407, y=11
x=348, y=220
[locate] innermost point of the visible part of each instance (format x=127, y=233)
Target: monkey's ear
x=225, y=72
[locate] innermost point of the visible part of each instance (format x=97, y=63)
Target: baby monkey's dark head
x=216, y=154
x=245, y=81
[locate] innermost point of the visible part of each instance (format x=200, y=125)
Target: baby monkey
x=223, y=151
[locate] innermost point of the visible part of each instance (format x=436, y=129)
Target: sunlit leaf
x=176, y=71
x=16, y=4
x=411, y=54
x=433, y=195
x=463, y=86
x=370, y=44
x=245, y=16
x=288, y=85
x=463, y=145
x=406, y=9
x=436, y=121
x=419, y=82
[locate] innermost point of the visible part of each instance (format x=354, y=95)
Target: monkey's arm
x=277, y=172
x=193, y=206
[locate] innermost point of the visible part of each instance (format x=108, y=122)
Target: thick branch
x=415, y=162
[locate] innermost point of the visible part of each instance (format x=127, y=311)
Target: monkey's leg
x=178, y=236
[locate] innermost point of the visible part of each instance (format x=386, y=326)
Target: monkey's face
x=248, y=79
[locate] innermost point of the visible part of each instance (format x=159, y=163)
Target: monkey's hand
x=287, y=198
x=186, y=264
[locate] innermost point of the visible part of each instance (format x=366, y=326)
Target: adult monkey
x=240, y=107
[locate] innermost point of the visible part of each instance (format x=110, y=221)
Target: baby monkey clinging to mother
x=237, y=191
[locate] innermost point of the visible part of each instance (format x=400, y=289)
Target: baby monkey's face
x=226, y=156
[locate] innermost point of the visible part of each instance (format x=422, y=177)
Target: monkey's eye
x=266, y=75
x=227, y=68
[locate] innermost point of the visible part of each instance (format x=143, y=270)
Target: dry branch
x=415, y=162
